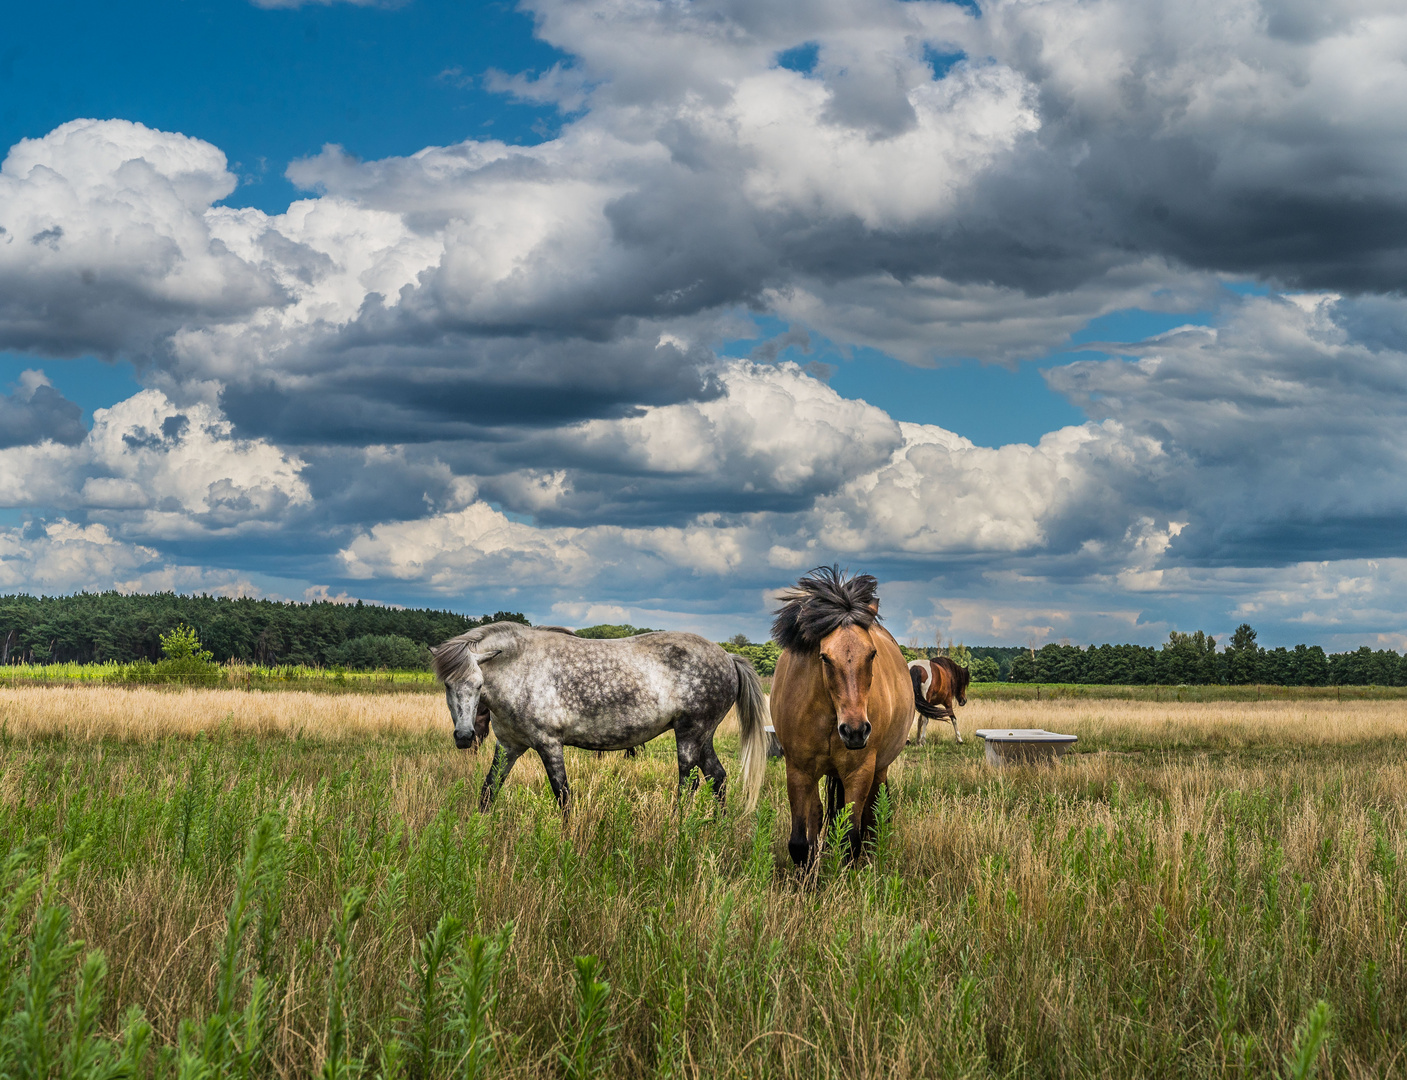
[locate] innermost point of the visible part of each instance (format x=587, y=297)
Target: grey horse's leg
x=503, y=759
x=551, y=754
x=713, y=769
x=691, y=756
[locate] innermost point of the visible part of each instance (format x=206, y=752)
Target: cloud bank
x=491, y=374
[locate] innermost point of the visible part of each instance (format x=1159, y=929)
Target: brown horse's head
x=964, y=677
x=830, y=615
x=847, y=666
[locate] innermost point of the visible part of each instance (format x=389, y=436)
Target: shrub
x=372, y=651
x=184, y=661
x=763, y=657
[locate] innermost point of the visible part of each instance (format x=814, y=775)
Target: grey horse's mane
x=451, y=660
x=821, y=603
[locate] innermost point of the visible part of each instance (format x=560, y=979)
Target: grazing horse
x=842, y=701
x=545, y=688
x=937, y=683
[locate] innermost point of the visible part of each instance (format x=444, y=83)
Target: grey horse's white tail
x=752, y=719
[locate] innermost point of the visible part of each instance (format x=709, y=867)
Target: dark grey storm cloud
x=35, y=412
x=361, y=388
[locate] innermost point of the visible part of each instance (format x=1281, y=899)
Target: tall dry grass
x=81, y=713
x=1176, y=911
x=1219, y=725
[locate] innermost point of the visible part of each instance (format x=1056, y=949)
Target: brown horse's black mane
x=821, y=603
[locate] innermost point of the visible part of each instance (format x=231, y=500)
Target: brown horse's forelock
x=820, y=604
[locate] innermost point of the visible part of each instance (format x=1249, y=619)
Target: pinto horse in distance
x=842, y=701
x=938, y=682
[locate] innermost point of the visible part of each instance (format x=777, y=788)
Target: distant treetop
x=612, y=630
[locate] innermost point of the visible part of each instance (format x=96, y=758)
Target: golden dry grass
x=144, y=713
x=1211, y=724
x=84, y=713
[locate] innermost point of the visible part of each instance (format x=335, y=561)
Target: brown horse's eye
x=825, y=659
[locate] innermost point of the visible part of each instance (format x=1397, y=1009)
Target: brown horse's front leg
x=805, y=815
x=867, y=819
x=860, y=788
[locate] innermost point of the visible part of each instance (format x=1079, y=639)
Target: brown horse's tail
x=923, y=707
x=752, y=719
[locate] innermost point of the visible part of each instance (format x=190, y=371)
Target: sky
x=1070, y=321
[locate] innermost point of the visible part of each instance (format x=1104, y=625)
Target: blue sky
x=271, y=85
x=612, y=312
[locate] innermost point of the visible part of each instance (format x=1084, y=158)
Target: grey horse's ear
x=483, y=657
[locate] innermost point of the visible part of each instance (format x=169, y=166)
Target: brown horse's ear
x=874, y=606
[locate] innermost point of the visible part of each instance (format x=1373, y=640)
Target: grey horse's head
x=458, y=662
x=470, y=713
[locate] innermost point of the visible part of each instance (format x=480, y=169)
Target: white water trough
x=774, y=748
x=1024, y=746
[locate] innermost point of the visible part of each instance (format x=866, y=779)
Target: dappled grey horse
x=545, y=688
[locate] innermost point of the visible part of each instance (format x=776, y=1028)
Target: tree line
x=96, y=627
x=126, y=628
x=1193, y=659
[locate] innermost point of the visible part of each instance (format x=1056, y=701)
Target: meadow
x=287, y=884
x=235, y=674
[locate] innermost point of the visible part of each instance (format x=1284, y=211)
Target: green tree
x=372, y=651
x=985, y=669
x=1243, y=657
x=612, y=630
x=1310, y=666
x=1187, y=659
x=1024, y=668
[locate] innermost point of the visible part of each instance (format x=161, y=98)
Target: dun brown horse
x=842, y=701
x=938, y=683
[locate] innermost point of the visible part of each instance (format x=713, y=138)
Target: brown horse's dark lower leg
x=805, y=817
x=865, y=832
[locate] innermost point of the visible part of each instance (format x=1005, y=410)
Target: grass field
x=289, y=883
x=235, y=674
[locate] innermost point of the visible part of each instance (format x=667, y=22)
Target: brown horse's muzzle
x=855, y=737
